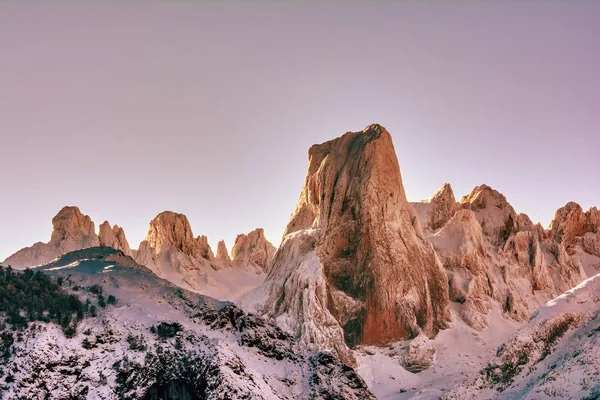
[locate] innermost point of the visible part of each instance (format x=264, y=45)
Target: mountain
x=434, y=212
x=352, y=268
x=253, y=250
x=171, y=251
x=113, y=237
x=143, y=338
x=222, y=256
x=71, y=230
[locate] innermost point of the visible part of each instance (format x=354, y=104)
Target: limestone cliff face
x=253, y=250
x=434, y=212
x=496, y=216
x=573, y=228
x=352, y=267
x=113, y=237
x=71, y=230
x=171, y=250
x=223, y=255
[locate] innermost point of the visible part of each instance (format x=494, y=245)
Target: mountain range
x=368, y=295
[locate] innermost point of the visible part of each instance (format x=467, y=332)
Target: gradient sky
x=126, y=110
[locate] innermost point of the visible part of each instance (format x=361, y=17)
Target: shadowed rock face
x=382, y=281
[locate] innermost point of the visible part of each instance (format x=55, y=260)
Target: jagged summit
x=223, y=255
x=171, y=230
x=253, y=250
x=435, y=211
x=351, y=268
x=497, y=217
x=71, y=230
x=577, y=229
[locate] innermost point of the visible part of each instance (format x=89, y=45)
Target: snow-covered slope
x=556, y=355
x=208, y=349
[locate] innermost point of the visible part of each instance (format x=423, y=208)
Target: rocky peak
x=351, y=266
x=569, y=222
x=72, y=230
x=497, y=217
x=223, y=255
x=113, y=237
x=254, y=250
x=170, y=230
x=203, y=248
x=435, y=211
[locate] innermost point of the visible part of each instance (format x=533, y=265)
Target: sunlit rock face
x=573, y=228
x=222, y=256
x=113, y=237
x=496, y=216
x=71, y=230
x=253, y=251
x=352, y=268
x=497, y=259
x=434, y=212
x=171, y=251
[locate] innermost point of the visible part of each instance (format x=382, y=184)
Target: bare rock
x=352, y=267
x=434, y=212
x=223, y=255
x=71, y=230
x=497, y=217
x=573, y=228
x=114, y=237
x=253, y=250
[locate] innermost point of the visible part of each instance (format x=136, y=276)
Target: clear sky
x=126, y=110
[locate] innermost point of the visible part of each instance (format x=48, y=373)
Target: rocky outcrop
x=71, y=230
x=495, y=258
x=113, y=237
x=253, y=250
x=573, y=228
x=352, y=268
x=157, y=341
x=497, y=217
x=434, y=212
x=171, y=251
x=223, y=255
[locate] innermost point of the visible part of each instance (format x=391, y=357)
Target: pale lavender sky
x=130, y=109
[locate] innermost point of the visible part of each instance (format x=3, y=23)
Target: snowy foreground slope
x=556, y=355
x=211, y=349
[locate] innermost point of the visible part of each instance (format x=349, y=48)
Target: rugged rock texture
x=223, y=255
x=434, y=212
x=71, y=230
x=555, y=355
x=113, y=237
x=573, y=228
x=498, y=219
x=172, y=252
x=253, y=250
x=495, y=258
x=352, y=267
